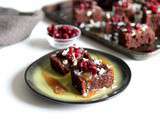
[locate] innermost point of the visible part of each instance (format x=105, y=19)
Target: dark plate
x=62, y=13
x=41, y=78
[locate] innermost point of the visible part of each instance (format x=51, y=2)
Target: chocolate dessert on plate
x=88, y=74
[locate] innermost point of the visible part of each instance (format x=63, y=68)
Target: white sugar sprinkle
x=107, y=36
x=120, y=3
x=133, y=33
x=82, y=25
x=98, y=62
x=108, y=15
x=133, y=24
x=102, y=71
x=85, y=94
x=148, y=12
x=87, y=29
x=136, y=7
x=158, y=9
x=85, y=59
x=77, y=72
x=115, y=37
x=92, y=21
x=65, y=62
x=109, y=66
x=158, y=46
x=75, y=62
x=144, y=27
x=124, y=30
x=114, y=87
x=89, y=13
x=121, y=24
x=98, y=24
x=103, y=23
x=116, y=34
x=65, y=52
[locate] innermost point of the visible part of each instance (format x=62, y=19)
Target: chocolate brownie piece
x=91, y=75
x=59, y=65
x=86, y=10
x=67, y=59
x=114, y=20
x=132, y=10
x=151, y=15
x=136, y=35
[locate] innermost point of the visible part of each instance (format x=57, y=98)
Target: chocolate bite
x=91, y=75
x=85, y=11
x=88, y=74
x=151, y=15
x=136, y=35
x=67, y=59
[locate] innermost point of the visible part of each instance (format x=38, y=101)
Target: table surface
x=141, y=100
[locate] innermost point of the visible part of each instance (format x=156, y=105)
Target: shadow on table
x=39, y=43
x=22, y=92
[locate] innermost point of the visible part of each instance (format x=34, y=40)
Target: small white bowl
x=63, y=43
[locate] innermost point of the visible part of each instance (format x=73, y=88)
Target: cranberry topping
x=153, y=5
x=73, y=54
x=84, y=5
x=62, y=32
x=138, y=26
x=117, y=18
x=87, y=66
x=153, y=8
x=121, y=3
x=129, y=28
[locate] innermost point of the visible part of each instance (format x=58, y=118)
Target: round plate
x=42, y=79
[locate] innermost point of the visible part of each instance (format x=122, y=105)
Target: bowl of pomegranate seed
x=62, y=36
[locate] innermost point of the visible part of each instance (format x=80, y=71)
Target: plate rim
x=117, y=92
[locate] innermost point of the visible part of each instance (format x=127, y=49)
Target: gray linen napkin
x=16, y=26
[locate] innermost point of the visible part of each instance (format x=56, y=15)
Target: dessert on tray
x=130, y=23
x=114, y=20
x=88, y=74
x=87, y=11
x=152, y=15
x=135, y=35
x=131, y=10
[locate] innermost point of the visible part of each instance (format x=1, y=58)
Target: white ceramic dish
x=63, y=43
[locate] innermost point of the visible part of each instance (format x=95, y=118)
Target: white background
x=141, y=100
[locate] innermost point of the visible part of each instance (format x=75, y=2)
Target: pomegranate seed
x=125, y=5
x=49, y=29
x=71, y=49
x=138, y=26
x=154, y=9
x=129, y=28
x=65, y=36
x=53, y=27
x=57, y=35
x=70, y=31
x=87, y=5
x=82, y=6
x=77, y=55
x=64, y=32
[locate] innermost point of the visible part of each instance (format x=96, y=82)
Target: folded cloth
x=16, y=26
